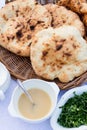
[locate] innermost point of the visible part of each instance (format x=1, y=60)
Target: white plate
x=63, y=100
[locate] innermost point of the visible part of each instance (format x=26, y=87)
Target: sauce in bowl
x=40, y=109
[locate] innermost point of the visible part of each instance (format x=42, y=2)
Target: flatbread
x=19, y=21
x=79, y=6
x=59, y=53
x=62, y=16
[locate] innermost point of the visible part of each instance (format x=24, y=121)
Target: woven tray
x=20, y=67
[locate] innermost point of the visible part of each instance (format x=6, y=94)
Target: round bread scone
x=18, y=27
x=59, y=53
x=62, y=16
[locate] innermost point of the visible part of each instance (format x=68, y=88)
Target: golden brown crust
x=79, y=6
x=62, y=16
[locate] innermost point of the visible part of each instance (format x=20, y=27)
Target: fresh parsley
x=74, y=112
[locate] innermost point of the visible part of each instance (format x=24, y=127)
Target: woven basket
x=20, y=67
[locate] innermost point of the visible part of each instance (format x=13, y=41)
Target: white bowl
x=49, y=87
x=4, y=80
x=63, y=100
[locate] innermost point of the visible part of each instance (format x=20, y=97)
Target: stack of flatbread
x=51, y=35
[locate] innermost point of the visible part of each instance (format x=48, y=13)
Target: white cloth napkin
x=2, y=3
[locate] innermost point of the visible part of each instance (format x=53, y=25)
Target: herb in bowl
x=74, y=112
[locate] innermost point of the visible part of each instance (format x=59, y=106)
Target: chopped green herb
x=74, y=112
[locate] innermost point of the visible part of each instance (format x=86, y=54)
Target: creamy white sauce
x=40, y=109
